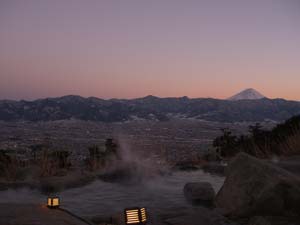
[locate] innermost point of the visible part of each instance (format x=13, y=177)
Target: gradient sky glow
x=133, y=48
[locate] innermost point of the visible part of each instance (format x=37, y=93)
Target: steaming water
x=104, y=199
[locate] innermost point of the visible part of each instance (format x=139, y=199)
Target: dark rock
x=293, y=167
x=254, y=187
x=200, y=193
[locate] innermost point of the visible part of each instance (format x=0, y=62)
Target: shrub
x=54, y=163
x=284, y=139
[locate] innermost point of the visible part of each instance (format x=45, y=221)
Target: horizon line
x=154, y=96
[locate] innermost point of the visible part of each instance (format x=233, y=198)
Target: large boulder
x=255, y=187
x=200, y=193
x=293, y=167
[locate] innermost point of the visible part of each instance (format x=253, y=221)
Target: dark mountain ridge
x=149, y=108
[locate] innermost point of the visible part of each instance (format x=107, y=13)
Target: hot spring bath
x=105, y=199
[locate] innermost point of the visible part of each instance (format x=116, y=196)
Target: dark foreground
x=24, y=214
x=255, y=192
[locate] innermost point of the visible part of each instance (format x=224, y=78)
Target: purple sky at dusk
x=133, y=48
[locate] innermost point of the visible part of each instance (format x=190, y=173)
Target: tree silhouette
x=226, y=144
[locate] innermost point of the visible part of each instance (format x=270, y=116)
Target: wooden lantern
x=135, y=216
x=53, y=202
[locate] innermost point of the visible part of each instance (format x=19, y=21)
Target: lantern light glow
x=53, y=202
x=135, y=216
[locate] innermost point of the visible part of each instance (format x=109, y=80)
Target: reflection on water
x=104, y=199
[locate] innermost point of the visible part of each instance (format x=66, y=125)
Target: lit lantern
x=135, y=216
x=53, y=202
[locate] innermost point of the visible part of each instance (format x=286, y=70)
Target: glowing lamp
x=53, y=202
x=135, y=216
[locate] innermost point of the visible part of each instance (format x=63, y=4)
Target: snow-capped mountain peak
x=249, y=94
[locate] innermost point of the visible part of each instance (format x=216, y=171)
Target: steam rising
x=130, y=167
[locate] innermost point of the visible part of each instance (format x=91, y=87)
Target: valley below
x=172, y=141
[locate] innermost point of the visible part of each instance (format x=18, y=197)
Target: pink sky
x=128, y=49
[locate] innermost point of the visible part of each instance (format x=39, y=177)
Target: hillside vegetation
x=284, y=139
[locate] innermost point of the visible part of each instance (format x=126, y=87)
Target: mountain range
x=249, y=93
x=148, y=108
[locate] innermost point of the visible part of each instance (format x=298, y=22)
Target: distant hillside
x=149, y=108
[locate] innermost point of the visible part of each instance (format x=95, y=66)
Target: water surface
x=104, y=199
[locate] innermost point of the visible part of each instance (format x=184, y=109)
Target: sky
x=133, y=48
